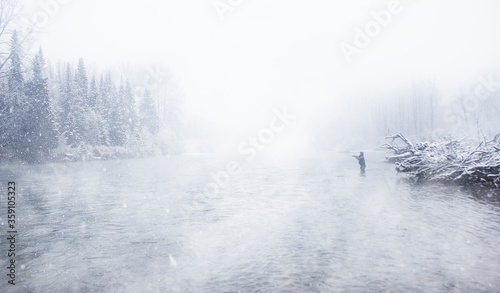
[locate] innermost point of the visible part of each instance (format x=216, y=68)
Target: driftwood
x=448, y=161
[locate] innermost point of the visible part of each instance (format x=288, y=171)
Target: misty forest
x=63, y=113
x=243, y=148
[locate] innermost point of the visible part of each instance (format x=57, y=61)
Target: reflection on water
x=305, y=225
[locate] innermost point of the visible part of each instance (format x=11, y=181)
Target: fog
x=235, y=146
x=236, y=62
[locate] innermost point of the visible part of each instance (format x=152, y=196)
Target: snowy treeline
x=414, y=112
x=363, y=121
x=420, y=110
x=65, y=114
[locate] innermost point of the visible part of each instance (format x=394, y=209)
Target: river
x=310, y=224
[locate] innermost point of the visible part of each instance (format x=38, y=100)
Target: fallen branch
x=448, y=161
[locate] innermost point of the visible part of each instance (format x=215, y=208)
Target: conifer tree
x=42, y=135
x=15, y=135
x=148, y=114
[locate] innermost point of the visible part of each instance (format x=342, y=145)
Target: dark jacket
x=361, y=160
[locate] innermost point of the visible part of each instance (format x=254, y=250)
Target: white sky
x=282, y=52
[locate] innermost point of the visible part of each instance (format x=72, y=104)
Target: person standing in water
x=361, y=161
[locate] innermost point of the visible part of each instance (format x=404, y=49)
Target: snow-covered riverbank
x=449, y=160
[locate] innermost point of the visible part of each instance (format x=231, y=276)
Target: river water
x=314, y=224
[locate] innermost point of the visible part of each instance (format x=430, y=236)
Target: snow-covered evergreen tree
x=92, y=95
x=73, y=110
x=81, y=81
x=86, y=118
x=106, y=95
x=101, y=110
x=148, y=114
x=131, y=119
x=42, y=135
x=117, y=125
x=14, y=116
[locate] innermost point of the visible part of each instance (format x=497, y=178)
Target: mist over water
x=243, y=117
x=311, y=224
